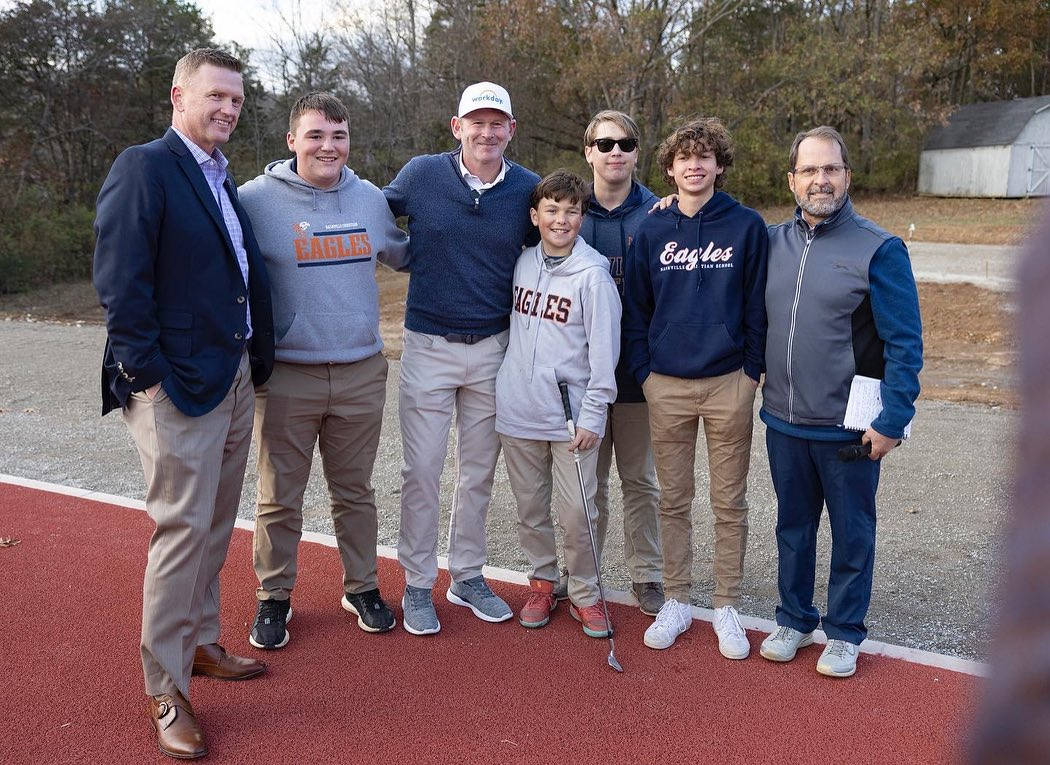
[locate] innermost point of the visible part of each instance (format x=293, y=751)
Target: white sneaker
x=783, y=644
x=732, y=640
x=672, y=620
x=838, y=660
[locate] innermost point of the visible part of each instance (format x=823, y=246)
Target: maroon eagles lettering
x=554, y=307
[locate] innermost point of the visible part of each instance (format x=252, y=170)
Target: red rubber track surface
x=71, y=684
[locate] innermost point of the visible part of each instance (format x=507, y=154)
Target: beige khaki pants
x=627, y=434
x=725, y=404
x=437, y=379
x=543, y=478
x=339, y=407
x=194, y=468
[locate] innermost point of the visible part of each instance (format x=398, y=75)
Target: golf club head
x=614, y=663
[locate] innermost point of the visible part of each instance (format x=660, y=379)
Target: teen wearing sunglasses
x=617, y=206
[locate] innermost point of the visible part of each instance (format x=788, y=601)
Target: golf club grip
x=564, y=388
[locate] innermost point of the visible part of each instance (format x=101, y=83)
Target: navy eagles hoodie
x=694, y=292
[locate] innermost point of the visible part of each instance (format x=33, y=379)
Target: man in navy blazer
x=190, y=328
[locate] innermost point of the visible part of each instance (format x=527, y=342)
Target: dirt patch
x=967, y=332
x=969, y=350
x=939, y=219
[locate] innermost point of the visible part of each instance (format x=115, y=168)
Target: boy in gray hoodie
x=321, y=230
x=564, y=327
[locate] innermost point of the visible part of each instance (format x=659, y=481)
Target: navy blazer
x=167, y=276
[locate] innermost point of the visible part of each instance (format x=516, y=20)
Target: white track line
x=874, y=647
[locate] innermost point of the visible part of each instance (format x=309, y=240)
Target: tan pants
x=543, y=473
x=339, y=407
x=194, y=469
x=726, y=406
x=627, y=433
x=437, y=378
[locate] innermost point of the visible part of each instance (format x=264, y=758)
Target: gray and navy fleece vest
x=821, y=329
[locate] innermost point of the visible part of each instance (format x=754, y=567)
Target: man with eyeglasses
x=618, y=205
x=841, y=301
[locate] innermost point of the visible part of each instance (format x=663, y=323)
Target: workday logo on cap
x=484, y=95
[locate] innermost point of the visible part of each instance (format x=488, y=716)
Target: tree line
x=82, y=79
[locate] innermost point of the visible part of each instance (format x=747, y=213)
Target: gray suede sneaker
x=561, y=589
x=650, y=597
x=476, y=595
x=420, y=618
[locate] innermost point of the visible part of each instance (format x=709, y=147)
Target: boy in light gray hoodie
x=321, y=230
x=564, y=327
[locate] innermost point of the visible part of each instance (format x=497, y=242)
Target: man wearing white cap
x=468, y=219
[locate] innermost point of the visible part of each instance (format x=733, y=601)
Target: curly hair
x=695, y=137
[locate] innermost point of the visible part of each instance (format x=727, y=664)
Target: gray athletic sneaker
x=420, y=618
x=476, y=595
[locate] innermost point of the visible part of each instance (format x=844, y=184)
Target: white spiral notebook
x=865, y=404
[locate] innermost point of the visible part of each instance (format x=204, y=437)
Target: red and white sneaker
x=592, y=618
x=537, y=609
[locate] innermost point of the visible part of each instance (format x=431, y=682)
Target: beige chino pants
x=725, y=404
x=437, y=379
x=627, y=435
x=194, y=468
x=338, y=407
x=543, y=478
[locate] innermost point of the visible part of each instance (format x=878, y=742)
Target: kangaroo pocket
x=686, y=349
x=328, y=332
x=531, y=407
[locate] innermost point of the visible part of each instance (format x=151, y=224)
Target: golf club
x=571, y=425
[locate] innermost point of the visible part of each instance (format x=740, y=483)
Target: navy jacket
x=167, y=276
x=611, y=232
x=694, y=298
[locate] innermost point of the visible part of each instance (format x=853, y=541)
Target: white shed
x=994, y=149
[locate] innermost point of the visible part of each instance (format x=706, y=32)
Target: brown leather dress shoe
x=178, y=734
x=213, y=661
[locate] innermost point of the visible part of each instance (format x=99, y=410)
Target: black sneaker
x=268, y=629
x=373, y=615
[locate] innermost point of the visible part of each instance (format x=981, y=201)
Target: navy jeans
x=807, y=474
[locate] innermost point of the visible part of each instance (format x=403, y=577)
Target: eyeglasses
x=810, y=171
x=605, y=145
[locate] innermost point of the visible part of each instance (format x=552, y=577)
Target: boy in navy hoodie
x=694, y=329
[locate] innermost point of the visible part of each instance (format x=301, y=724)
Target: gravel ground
x=990, y=266
x=942, y=496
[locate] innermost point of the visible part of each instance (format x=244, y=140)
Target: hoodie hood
x=637, y=196
x=717, y=207
x=284, y=170
x=582, y=257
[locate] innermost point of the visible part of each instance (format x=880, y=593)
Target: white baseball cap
x=484, y=95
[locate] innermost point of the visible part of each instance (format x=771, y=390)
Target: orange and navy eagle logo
x=300, y=228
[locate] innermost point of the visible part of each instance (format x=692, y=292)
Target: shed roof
x=992, y=123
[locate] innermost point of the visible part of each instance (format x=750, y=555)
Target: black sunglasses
x=605, y=145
